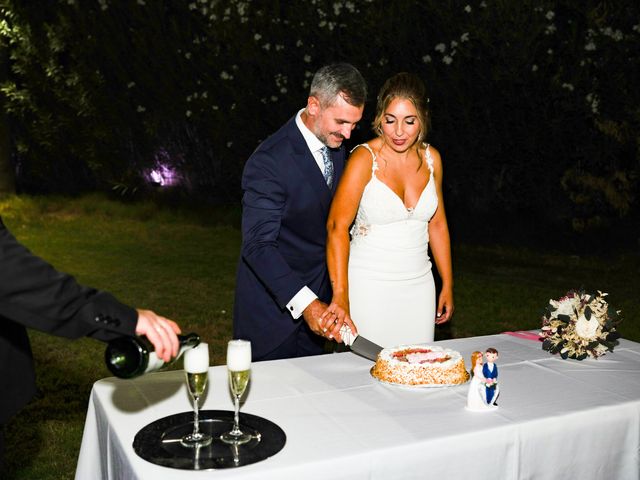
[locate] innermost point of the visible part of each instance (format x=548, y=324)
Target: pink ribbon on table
x=525, y=335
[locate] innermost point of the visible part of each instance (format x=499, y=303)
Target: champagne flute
x=196, y=367
x=239, y=368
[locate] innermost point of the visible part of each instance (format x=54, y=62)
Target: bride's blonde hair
x=475, y=356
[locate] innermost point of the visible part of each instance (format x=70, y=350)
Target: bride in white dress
x=387, y=210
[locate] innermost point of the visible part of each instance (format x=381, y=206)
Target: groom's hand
x=312, y=315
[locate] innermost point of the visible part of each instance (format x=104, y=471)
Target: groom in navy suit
x=283, y=286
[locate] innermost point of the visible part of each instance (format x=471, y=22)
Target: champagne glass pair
x=196, y=366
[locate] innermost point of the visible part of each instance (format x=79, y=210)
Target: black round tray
x=159, y=442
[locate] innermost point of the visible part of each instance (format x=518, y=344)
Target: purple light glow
x=164, y=173
x=164, y=176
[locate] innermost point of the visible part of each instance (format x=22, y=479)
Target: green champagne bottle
x=128, y=357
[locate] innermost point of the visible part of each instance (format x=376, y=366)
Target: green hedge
x=535, y=106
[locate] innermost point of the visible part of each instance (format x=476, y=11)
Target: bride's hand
x=445, y=307
x=332, y=320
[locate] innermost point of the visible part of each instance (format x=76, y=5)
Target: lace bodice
x=380, y=205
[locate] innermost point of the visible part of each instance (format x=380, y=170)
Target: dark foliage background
x=535, y=104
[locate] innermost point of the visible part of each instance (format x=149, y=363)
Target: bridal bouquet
x=490, y=382
x=580, y=325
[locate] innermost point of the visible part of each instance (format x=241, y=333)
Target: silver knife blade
x=365, y=348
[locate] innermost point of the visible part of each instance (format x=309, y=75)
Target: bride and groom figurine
x=483, y=389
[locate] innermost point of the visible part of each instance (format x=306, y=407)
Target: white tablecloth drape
x=556, y=419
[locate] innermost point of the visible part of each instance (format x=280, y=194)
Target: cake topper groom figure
x=490, y=372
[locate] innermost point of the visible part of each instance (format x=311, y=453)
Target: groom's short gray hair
x=339, y=79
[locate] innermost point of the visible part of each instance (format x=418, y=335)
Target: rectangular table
x=556, y=419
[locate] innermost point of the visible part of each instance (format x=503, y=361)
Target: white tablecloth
x=556, y=419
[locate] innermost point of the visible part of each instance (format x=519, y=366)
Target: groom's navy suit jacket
x=285, y=208
x=490, y=391
x=33, y=294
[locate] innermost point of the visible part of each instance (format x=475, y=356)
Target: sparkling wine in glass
x=196, y=367
x=239, y=368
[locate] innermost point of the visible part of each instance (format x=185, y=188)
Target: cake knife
x=360, y=345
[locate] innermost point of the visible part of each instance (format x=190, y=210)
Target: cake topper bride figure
x=476, y=396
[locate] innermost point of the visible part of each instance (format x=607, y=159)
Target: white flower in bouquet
x=587, y=329
x=580, y=325
x=566, y=305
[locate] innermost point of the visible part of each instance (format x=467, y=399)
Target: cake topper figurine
x=481, y=384
x=490, y=373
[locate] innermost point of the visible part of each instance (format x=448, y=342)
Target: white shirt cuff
x=300, y=301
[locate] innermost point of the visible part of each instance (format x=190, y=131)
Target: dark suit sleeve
x=264, y=203
x=34, y=294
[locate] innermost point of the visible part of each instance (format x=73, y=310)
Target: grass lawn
x=182, y=265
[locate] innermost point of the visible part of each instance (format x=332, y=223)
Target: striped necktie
x=328, y=166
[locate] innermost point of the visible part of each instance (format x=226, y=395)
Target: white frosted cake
x=420, y=365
